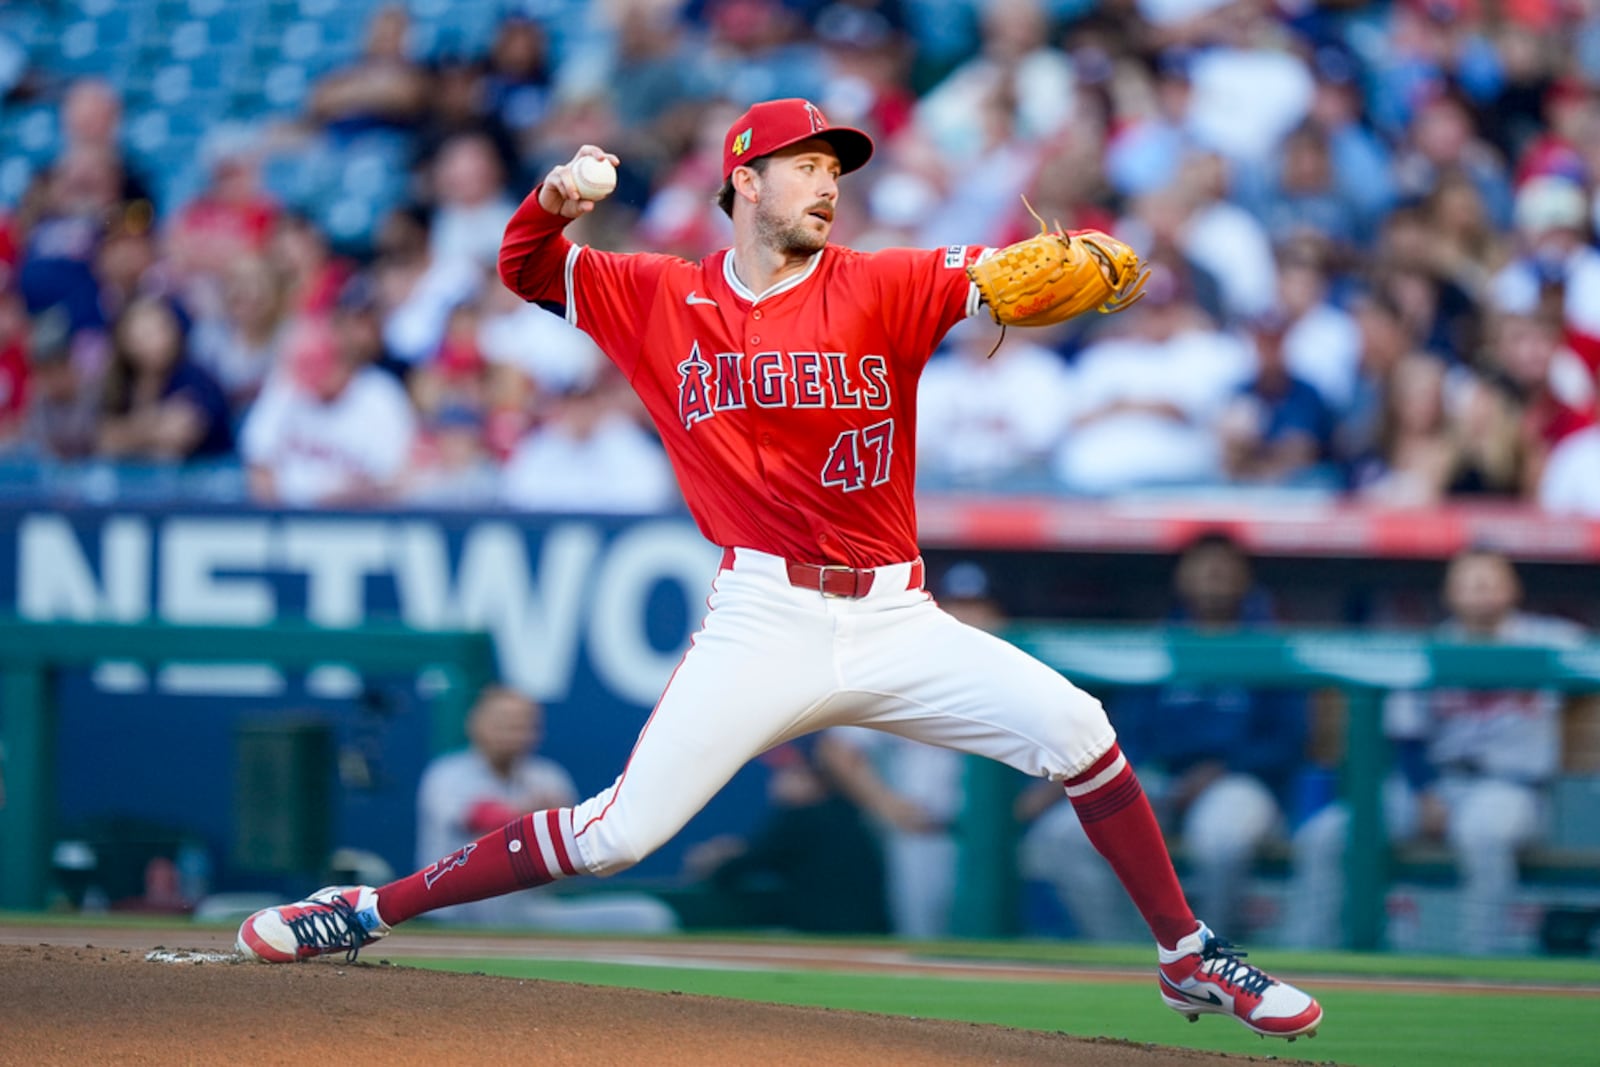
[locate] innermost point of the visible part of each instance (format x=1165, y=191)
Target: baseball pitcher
x=782, y=376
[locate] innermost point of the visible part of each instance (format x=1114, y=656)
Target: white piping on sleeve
x=975, y=298
x=572, y=302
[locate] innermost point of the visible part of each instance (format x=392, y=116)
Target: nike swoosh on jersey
x=696, y=298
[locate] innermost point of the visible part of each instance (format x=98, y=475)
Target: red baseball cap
x=775, y=124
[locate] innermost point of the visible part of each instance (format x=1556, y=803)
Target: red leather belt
x=832, y=580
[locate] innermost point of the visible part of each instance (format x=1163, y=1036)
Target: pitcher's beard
x=791, y=239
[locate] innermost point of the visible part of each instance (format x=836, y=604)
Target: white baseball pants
x=773, y=662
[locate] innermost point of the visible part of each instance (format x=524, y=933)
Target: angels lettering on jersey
x=732, y=381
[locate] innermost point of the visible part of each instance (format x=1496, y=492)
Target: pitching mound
x=77, y=1004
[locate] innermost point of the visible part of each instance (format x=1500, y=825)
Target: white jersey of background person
x=452, y=784
x=1494, y=752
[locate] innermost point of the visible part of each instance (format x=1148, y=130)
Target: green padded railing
x=30, y=652
x=1363, y=665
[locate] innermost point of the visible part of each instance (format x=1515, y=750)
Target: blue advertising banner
x=589, y=616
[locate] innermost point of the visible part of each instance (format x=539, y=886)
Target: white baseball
x=595, y=178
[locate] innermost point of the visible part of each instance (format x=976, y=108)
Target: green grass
x=1536, y=969
x=1366, y=1028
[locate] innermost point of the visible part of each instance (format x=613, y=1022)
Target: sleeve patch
x=955, y=257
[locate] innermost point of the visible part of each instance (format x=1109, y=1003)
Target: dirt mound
x=80, y=1004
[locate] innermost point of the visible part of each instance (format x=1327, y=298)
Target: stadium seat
x=15, y=174
x=33, y=132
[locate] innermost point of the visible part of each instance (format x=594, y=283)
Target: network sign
x=589, y=615
x=616, y=598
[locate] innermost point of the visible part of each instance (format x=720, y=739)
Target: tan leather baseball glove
x=1054, y=276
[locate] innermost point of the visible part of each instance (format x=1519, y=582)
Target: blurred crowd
x=1371, y=228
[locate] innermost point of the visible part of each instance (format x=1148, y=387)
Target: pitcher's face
x=798, y=191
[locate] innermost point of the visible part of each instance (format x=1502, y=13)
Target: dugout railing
x=1363, y=666
x=31, y=653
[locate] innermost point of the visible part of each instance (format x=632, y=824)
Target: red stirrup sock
x=529, y=850
x=1117, y=817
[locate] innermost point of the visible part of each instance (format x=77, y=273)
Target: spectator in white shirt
x=1556, y=260
x=1570, y=484
x=418, y=289
x=982, y=419
x=498, y=777
x=1323, y=345
x=329, y=429
x=473, y=208
x=1472, y=769
x=545, y=347
x=589, y=454
x=1146, y=403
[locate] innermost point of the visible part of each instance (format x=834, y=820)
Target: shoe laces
x=330, y=925
x=1223, y=961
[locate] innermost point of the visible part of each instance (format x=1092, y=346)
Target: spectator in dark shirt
x=63, y=407
x=517, y=83
x=384, y=89
x=1216, y=760
x=160, y=404
x=81, y=197
x=813, y=866
x=1278, y=429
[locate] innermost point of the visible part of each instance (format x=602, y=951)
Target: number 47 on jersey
x=860, y=457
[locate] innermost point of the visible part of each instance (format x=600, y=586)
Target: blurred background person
x=384, y=88
x=160, y=405
x=1472, y=770
x=589, y=452
x=1145, y=401
x=1217, y=762
x=913, y=792
x=63, y=414
x=1556, y=267
x=498, y=777
x=417, y=287
x=471, y=207
x=230, y=218
x=243, y=343
x=330, y=429
x=1570, y=483
x=986, y=417
x=1555, y=394
x=812, y=865
x=1277, y=430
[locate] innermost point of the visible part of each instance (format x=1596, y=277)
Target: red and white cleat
x=335, y=919
x=1207, y=975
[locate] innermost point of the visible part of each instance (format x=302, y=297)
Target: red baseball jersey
x=789, y=416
